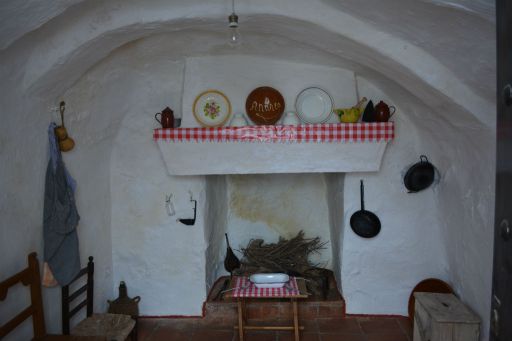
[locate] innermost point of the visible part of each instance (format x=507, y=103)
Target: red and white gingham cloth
x=245, y=288
x=337, y=132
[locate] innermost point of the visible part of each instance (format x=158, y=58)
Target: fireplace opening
x=268, y=209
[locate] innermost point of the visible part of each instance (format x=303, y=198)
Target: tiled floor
x=343, y=329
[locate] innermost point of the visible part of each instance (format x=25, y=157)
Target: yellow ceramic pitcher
x=351, y=115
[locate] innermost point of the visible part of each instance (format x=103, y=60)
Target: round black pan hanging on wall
x=420, y=176
x=365, y=223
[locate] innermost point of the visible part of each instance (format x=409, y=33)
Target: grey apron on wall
x=60, y=218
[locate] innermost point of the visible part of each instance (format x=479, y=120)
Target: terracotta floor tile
x=406, y=326
x=274, y=322
x=379, y=325
x=146, y=327
x=169, y=334
x=345, y=325
x=339, y=329
x=208, y=334
x=342, y=337
x=258, y=336
x=309, y=325
x=387, y=337
x=304, y=336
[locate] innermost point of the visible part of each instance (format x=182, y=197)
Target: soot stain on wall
x=286, y=203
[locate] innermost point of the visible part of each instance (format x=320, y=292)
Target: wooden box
x=443, y=317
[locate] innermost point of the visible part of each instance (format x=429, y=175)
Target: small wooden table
x=241, y=289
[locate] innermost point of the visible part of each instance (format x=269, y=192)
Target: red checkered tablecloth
x=337, y=132
x=245, y=288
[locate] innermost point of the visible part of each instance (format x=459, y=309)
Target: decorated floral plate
x=212, y=108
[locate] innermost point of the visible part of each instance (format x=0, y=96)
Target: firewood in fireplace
x=290, y=256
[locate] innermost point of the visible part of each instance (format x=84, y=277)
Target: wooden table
x=240, y=290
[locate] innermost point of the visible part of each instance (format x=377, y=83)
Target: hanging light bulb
x=234, y=34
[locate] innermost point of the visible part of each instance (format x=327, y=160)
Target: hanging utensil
x=365, y=223
x=190, y=221
x=231, y=261
x=66, y=143
x=420, y=176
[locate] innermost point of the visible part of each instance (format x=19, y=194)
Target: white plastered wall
x=24, y=156
x=160, y=259
x=216, y=222
x=334, y=194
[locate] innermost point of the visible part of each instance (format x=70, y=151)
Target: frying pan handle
x=362, y=195
x=423, y=158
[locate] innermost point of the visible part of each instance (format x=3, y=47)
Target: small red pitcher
x=383, y=112
x=166, y=118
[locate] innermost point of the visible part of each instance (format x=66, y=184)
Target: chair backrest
x=29, y=276
x=68, y=297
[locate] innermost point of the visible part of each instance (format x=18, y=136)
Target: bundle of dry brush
x=290, y=256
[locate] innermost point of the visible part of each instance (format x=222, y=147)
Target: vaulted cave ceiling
x=457, y=36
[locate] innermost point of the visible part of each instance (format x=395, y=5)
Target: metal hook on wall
x=169, y=206
x=189, y=221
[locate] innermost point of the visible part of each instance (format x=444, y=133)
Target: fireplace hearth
x=222, y=310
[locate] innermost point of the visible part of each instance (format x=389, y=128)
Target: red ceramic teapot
x=166, y=118
x=383, y=112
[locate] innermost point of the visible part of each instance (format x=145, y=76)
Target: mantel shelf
x=348, y=132
x=309, y=148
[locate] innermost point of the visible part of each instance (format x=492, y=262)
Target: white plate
x=269, y=285
x=314, y=105
x=271, y=278
x=212, y=108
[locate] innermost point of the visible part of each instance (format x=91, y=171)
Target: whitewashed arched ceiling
x=447, y=45
x=460, y=33
x=19, y=17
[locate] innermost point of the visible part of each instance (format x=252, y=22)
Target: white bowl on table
x=271, y=280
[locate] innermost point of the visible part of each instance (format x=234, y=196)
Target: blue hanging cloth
x=60, y=217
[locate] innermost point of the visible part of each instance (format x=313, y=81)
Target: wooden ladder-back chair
x=88, y=288
x=29, y=276
x=113, y=326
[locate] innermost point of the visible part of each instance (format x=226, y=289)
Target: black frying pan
x=365, y=223
x=419, y=176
